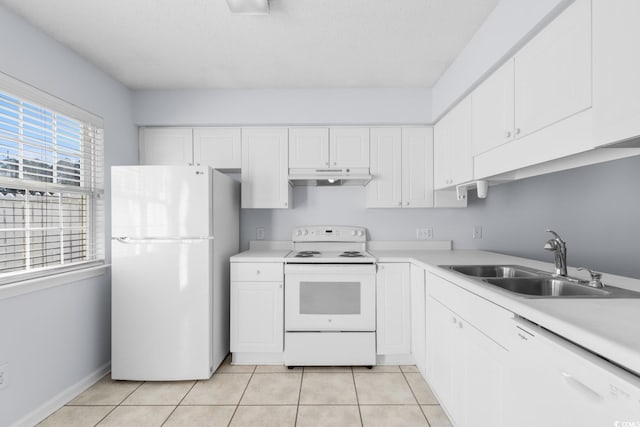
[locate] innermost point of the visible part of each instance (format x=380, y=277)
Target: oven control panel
x=329, y=233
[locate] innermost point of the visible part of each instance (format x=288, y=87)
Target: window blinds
x=51, y=184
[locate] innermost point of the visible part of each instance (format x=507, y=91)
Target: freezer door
x=161, y=310
x=161, y=201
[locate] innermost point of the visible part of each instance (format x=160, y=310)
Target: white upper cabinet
x=166, y=146
x=264, y=175
x=417, y=167
x=616, y=70
x=309, y=148
x=385, y=188
x=217, y=147
x=492, y=110
x=402, y=168
x=349, y=147
x=553, y=71
x=453, y=163
x=548, y=80
x=322, y=148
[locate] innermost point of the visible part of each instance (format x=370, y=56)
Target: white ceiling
x=180, y=44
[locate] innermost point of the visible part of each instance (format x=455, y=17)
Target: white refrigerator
x=173, y=231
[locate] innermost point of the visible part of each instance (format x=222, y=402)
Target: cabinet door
x=439, y=330
x=417, y=167
x=492, y=110
x=393, y=288
x=616, y=67
x=265, y=168
x=442, y=142
x=257, y=319
x=485, y=382
x=166, y=146
x=217, y=147
x=453, y=163
x=385, y=188
x=553, y=71
x=418, y=319
x=460, y=151
x=349, y=147
x=309, y=148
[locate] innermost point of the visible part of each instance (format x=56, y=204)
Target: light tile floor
x=261, y=396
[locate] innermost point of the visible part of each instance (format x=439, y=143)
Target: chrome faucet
x=559, y=249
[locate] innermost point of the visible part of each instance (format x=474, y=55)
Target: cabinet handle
x=335, y=163
x=453, y=320
x=257, y=272
x=582, y=387
x=507, y=134
x=399, y=203
x=460, y=325
x=285, y=204
x=280, y=286
x=327, y=163
x=406, y=204
x=517, y=131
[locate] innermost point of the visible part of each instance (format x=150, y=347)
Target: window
x=51, y=184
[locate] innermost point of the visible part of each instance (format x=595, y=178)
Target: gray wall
x=593, y=208
x=54, y=338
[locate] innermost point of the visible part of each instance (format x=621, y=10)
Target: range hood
x=329, y=177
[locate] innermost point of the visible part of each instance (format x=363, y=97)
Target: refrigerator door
x=161, y=309
x=161, y=201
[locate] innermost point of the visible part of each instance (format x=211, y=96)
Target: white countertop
x=608, y=327
x=262, y=255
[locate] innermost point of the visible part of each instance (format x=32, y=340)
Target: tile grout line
x=242, y=395
x=181, y=400
x=295, y=423
x=118, y=405
x=353, y=377
x=414, y=396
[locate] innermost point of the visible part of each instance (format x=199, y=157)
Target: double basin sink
x=538, y=284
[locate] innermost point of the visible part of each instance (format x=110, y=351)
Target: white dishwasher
x=557, y=383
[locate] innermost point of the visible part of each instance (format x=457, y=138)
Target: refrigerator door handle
x=160, y=239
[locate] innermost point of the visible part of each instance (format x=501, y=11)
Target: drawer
x=489, y=318
x=257, y=272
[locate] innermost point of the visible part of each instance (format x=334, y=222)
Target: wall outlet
x=424, y=233
x=259, y=233
x=4, y=376
x=477, y=232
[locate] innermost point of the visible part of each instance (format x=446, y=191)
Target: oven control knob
x=305, y=232
x=361, y=233
x=354, y=233
x=298, y=232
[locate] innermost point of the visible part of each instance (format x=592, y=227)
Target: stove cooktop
x=329, y=245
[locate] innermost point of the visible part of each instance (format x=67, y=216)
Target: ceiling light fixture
x=249, y=7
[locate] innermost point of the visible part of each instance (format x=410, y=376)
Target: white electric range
x=330, y=298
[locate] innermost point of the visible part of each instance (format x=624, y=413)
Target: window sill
x=45, y=282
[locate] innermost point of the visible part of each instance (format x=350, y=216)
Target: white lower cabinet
x=257, y=309
x=393, y=324
x=466, y=368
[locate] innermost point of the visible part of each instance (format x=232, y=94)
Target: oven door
x=330, y=297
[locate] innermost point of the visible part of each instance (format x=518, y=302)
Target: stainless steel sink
x=548, y=287
x=495, y=270
x=532, y=283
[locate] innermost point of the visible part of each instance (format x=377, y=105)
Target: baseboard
x=257, y=358
x=395, y=359
x=59, y=400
